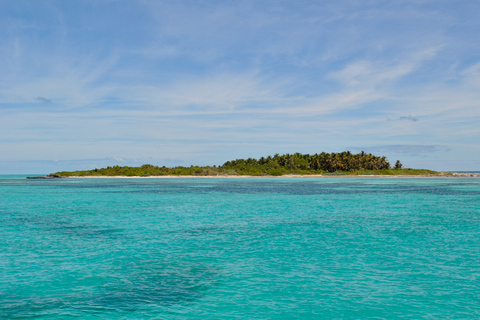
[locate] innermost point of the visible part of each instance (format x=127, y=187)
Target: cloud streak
x=43, y=100
x=412, y=150
x=409, y=118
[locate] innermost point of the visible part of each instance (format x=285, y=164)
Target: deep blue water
x=312, y=248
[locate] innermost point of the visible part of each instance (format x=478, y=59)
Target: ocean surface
x=280, y=248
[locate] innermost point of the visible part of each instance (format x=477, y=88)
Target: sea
x=252, y=248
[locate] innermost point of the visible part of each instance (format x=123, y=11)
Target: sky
x=86, y=84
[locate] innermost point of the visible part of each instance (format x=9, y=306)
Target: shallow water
x=311, y=248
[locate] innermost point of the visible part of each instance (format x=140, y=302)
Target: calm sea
x=313, y=248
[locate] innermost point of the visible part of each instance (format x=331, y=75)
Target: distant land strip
x=297, y=164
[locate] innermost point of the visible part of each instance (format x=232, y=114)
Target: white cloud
x=369, y=74
x=216, y=93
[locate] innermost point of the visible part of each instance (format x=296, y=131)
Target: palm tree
x=398, y=165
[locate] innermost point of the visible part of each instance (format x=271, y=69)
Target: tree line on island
x=343, y=163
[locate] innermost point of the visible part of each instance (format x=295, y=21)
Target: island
x=297, y=164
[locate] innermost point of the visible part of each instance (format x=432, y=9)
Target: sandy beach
x=444, y=174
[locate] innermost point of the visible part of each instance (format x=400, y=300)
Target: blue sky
x=87, y=84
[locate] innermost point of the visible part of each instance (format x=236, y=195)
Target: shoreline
x=443, y=175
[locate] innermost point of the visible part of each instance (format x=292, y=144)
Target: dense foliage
x=277, y=165
x=324, y=162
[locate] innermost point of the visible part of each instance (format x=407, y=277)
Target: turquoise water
x=313, y=248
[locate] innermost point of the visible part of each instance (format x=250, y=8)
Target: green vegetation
x=344, y=163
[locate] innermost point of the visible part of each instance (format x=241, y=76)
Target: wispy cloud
x=43, y=100
x=411, y=150
x=409, y=118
